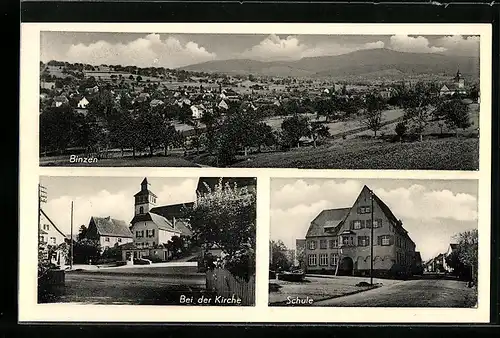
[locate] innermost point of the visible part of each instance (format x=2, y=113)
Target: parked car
x=141, y=261
x=292, y=276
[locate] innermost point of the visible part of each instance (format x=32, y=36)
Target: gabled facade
x=49, y=233
x=108, y=231
x=338, y=240
x=53, y=237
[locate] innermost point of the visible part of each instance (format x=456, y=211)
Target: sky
x=432, y=211
x=107, y=196
x=178, y=50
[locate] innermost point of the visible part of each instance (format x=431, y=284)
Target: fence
x=226, y=285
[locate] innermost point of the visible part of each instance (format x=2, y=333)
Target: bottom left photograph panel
x=147, y=240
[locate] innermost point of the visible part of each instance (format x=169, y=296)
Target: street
x=112, y=288
x=411, y=293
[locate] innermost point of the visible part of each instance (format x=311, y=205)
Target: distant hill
x=372, y=62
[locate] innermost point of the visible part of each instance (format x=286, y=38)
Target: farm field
x=435, y=154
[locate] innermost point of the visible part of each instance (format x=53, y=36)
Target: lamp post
x=371, y=240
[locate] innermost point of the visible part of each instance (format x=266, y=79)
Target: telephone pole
x=71, y=240
x=42, y=198
x=371, y=240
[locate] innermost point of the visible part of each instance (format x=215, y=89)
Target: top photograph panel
x=116, y=99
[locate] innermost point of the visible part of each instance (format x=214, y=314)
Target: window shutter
x=351, y=224
x=391, y=239
x=153, y=233
x=362, y=223
x=379, y=221
x=368, y=223
x=379, y=240
x=359, y=210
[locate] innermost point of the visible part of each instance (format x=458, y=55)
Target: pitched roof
x=171, y=211
x=183, y=227
x=162, y=223
x=328, y=222
x=50, y=221
x=107, y=226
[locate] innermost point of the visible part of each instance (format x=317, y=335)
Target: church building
x=455, y=87
x=152, y=227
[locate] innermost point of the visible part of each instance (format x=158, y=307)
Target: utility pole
x=371, y=240
x=71, y=240
x=42, y=198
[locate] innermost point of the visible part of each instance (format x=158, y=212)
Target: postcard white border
x=30, y=311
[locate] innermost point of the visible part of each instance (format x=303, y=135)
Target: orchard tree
x=293, y=128
x=225, y=217
x=418, y=103
x=456, y=114
x=372, y=114
x=318, y=131
x=401, y=130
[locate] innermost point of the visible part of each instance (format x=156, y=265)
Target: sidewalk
x=87, y=267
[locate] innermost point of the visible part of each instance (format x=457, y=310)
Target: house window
x=106, y=239
x=46, y=227
x=312, y=259
x=386, y=240
x=42, y=240
x=364, y=210
x=334, y=260
x=141, y=210
x=119, y=239
x=345, y=240
x=323, y=259
x=139, y=233
x=363, y=241
x=334, y=243
x=357, y=225
x=52, y=240
x=312, y=245
x=377, y=223
x=150, y=233
x=322, y=244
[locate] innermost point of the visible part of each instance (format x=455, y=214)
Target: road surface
x=111, y=288
x=412, y=293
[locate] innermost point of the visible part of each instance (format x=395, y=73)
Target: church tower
x=459, y=80
x=145, y=199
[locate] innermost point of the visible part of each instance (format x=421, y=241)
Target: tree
x=417, y=103
x=401, y=130
x=318, y=131
x=150, y=130
x=372, y=117
x=179, y=246
x=82, y=233
x=139, y=78
x=279, y=258
x=456, y=114
x=225, y=217
x=86, y=251
x=294, y=128
x=468, y=251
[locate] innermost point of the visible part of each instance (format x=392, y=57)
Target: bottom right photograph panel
x=373, y=243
